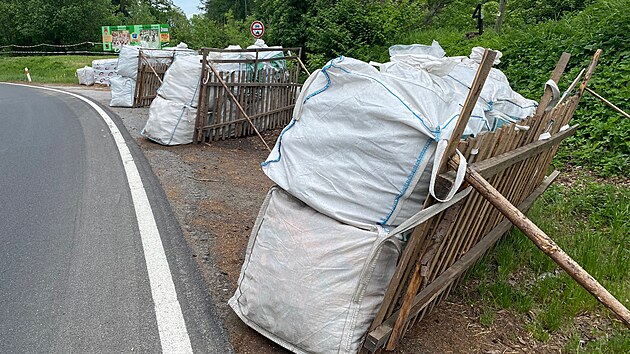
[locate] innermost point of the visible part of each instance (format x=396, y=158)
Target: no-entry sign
x=257, y=28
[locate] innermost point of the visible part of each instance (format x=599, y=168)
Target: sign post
x=257, y=29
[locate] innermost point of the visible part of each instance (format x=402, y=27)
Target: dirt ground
x=216, y=190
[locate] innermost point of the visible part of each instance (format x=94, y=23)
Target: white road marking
x=170, y=320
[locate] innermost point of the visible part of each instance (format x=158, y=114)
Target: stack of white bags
x=101, y=71
x=123, y=86
x=356, y=162
x=104, y=70
x=173, y=112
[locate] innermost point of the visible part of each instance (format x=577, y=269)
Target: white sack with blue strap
x=127, y=64
x=122, y=90
x=501, y=104
x=170, y=123
x=362, y=143
x=309, y=282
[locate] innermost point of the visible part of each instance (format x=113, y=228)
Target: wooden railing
x=267, y=95
x=150, y=78
x=516, y=160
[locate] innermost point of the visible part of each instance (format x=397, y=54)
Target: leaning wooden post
x=544, y=242
x=610, y=104
x=238, y=105
x=469, y=104
x=471, y=100
x=202, y=103
x=151, y=67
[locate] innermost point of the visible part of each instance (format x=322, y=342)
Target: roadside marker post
x=28, y=75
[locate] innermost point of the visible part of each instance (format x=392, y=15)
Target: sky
x=189, y=6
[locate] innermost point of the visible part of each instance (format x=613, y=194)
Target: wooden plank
x=471, y=100
x=494, y=165
x=241, y=109
x=589, y=72
x=469, y=104
x=556, y=74
x=202, y=103
x=377, y=338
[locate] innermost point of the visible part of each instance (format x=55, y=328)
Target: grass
x=48, y=69
x=590, y=220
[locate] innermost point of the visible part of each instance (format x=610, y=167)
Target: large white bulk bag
x=180, y=50
x=128, y=59
x=309, y=282
x=122, y=89
x=274, y=65
x=434, y=50
x=361, y=145
x=170, y=123
x=181, y=81
x=499, y=101
x=85, y=76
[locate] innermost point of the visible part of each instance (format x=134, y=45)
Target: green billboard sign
x=146, y=36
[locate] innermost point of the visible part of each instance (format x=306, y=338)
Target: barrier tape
x=67, y=52
x=49, y=45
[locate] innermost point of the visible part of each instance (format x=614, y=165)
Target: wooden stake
x=589, y=72
x=469, y=104
x=238, y=105
x=619, y=110
x=471, y=100
x=150, y=67
x=544, y=242
x=303, y=66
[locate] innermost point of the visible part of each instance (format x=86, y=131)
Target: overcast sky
x=189, y=6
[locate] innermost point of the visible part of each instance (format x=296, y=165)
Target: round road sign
x=257, y=28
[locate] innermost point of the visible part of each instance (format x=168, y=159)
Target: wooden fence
x=150, y=77
x=265, y=88
x=451, y=240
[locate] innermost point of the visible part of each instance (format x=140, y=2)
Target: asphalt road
x=73, y=271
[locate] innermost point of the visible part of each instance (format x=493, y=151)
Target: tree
x=216, y=9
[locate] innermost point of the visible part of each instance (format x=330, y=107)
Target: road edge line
x=174, y=336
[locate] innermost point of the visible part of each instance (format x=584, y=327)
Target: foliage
x=210, y=33
x=356, y=27
x=216, y=9
x=530, y=54
x=44, y=69
x=589, y=221
x=29, y=22
x=286, y=21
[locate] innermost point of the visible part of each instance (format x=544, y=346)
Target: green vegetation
x=50, y=69
x=591, y=221
x=534, y=34
x=30, y=22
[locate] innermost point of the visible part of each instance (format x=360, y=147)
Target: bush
x=530, y=53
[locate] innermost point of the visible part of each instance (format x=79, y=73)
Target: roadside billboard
x=146, y=36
